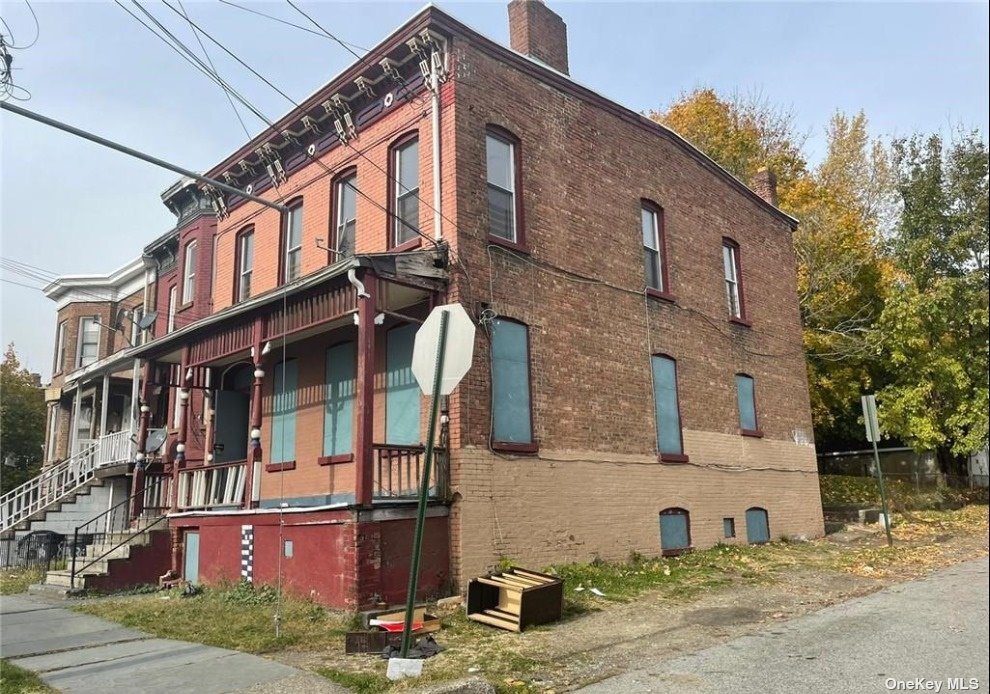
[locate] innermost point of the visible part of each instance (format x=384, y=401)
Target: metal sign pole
x=424, y=487
x=872, y=425
x=883, y=495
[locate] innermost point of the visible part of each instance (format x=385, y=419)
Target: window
x=338, y=418
x=60, y=347
x=405, y=206
x=283, y=444
x=654, y=260
x=746, y=398
x=345, y=222
x=757, y=526
x=667, y=409
x=173, y=297
x=512, y=423
x=675, y=531
x=501, y=150
x=189, y=279
x=245, y=265
x=89, y=341
x=402, y=399
x=729, y=527
x=292, y=262
x=733, y=279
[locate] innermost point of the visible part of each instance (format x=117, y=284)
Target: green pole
x=883, y=493
x=424, y=487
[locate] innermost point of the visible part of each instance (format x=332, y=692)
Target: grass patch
x=17, y=680
x=240, y=617
x=360, y=682
x=13, y=581
x=849, y=489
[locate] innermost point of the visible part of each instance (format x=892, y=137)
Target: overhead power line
x=287, y=23
x=78, y=132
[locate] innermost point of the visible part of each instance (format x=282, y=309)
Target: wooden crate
x=515, y=599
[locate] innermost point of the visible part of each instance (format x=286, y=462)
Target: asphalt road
x=934, y=629
x=76, y=653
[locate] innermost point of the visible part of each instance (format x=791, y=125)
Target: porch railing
x=211, y=486
x=398, y=471
x=115, y=448
x=53, y=484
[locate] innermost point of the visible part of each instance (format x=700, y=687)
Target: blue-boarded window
x=512, y=420
x=401, y=390
x=757, y=526
x=338, y=418
x=746, y=397
x=668, y=413
x=675, y=530
x=283, y=447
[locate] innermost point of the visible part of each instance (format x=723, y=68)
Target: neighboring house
x=639, y=380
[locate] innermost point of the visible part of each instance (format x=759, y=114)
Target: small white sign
x=458, y=353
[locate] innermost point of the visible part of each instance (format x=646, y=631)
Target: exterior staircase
x=116, y=560
x=59, y=484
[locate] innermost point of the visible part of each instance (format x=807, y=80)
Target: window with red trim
x=405, y=192
x=244, y=265
x=654, y=247
x=345, y=214
x=504, y=186
x=292, y=239
x=733, y=279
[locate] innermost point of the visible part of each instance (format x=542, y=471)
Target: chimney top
x=764, y=184
x=539, y=32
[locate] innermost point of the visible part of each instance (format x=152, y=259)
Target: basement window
x=729, y=527
x=675, y=531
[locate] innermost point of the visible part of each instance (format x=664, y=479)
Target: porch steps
x=41, y=515
x=117, y=569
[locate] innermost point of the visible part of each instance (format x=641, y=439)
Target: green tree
x=934, y=328
x=22, y=421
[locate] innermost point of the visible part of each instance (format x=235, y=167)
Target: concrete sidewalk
x=73, y=652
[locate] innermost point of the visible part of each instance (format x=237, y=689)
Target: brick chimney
x=539, y=32
x=764, y=184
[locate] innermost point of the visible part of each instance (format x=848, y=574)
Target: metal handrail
x=127, y=540
x=108, y=519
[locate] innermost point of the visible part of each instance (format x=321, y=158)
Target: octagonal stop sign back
x=457, y=354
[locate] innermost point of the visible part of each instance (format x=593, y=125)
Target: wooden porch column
x=76, y=414
x=365, y=401
x=137, y=480
x=182, y=402
x=104, y=403
x=252, y=480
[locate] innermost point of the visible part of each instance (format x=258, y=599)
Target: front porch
x=299, y=402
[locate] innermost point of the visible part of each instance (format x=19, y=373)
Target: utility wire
x=213, y=67
x=287, y=23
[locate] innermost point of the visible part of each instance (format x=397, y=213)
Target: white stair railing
x=52, y=485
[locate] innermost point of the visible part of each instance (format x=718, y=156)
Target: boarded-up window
x=402, y=398
x=512, y=422
x=746, y=398
x=283, y=448
x=668, y=416
x=675, y=530
x=339, y=400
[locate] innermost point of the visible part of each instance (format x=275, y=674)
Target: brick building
x=639, y=380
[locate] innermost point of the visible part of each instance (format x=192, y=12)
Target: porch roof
x=426, y=268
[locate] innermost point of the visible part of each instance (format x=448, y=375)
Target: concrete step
x=63, y=577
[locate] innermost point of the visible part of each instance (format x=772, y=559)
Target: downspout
x=435, y=141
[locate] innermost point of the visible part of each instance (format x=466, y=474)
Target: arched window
x=749, y=423
x=654, y=247
x=667, y=410
x=757, y=526
x=243, y=264
x=512, y=414
x=292, y=242
x=675, y=531
x=732, y=268
x=504, y=180
x=189, y=273
x=404, y=183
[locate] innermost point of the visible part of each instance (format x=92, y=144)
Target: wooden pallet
x=515, y=599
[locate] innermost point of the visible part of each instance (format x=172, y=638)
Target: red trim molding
x=522, y=448
x=336, y=459
x=741, y=322
x=662, y=296
x=280, y=467
x=673, y=458
x=755, y=433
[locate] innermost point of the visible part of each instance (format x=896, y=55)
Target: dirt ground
x=610, y=637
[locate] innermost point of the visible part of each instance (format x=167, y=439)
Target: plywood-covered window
x=402, y=399
x=512, y=419
x=284, y=398
x=667, y=409
x=341, y=390
x=675, y=531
